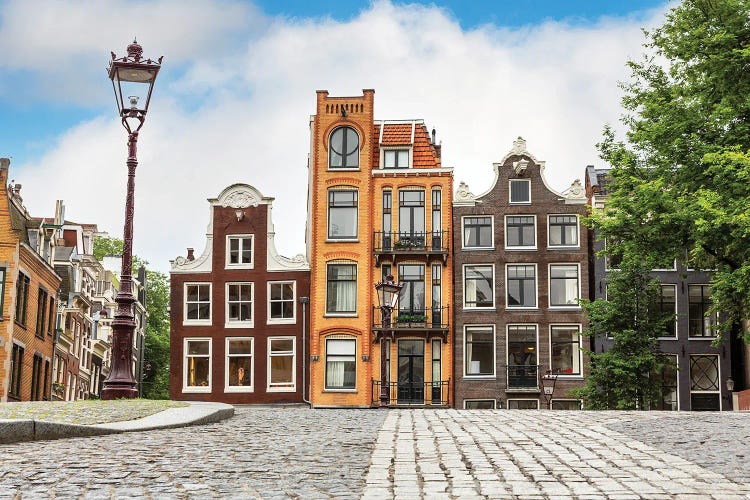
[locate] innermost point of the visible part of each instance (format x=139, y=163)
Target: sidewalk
x=195, y=413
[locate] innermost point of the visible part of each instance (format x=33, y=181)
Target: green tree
x=624, y=377
x=681, y=179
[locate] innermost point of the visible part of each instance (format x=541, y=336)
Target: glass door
x=411, y=372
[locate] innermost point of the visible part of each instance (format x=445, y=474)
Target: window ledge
x=346, y=391
x=666, y=338
x=480, y=377
x=239, y=324
x=189, y=322
x=281, y=389
x=702, y=338
x=285, y=321
x=563, y=247
x=564, y=308
x=561, y=376
x=342, y=240
x=509, y=308
x=479, y=308
x=239, y=266
x=344, y=169
x=196, y=390
x=340, y=315
x=478, y=248
x=522, y=249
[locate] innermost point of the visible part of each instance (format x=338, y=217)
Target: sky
x=237, y=86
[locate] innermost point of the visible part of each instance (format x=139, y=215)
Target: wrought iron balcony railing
x=427, y=318
x=413, y=393
x=422, y=243
x=523, y=377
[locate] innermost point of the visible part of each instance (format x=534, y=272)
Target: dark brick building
x=238, y=311
x=520, y=260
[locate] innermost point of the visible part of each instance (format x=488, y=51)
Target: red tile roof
x=400, y=134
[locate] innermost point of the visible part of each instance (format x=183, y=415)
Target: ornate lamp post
x=549, y=379
x=133, y=80
x=387, y=292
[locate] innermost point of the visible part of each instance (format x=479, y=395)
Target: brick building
x=28, y=296
x=520, y=263
x=238, y=311
x=378, y=204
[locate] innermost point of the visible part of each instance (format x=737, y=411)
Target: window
x=700, y=323
x=281, y=302
x=396, y=158
x=411, y=224
x=342, y=214
x=239, y=364
x=343, y=151
x=523, y=404
x=341, y=364
x=45, y=394
x=437, y=232
x=22, y=297
x=341, y=288
x=668, y=306
x=2, y=291
x=437, y=307
x=411, y=299
x=51, y=318
x=520, y=191
x=704, y=383
x=563, y=285
x=36, y=378
x=521, y=285
x=198, y=303
x=563, y=231
x=16, y=370
x=240, y=251
x=520, y=231
x=387, y=220
x=479, y=287
x=479, y=404
x=239, y=305
x=281, y=373
x=668, y=381
x=478, y=232
x=41, y=313
x=437, y=374
x=479, y=350
x=197, y=366
x=565, y=349
x=566, y=404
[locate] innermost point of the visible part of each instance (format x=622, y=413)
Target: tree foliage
x=624, y=377
x=681, y=179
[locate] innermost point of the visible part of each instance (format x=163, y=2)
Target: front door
x=411, y=372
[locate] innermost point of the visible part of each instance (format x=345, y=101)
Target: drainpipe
x=305, y=364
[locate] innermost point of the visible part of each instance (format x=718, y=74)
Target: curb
x=21, y=430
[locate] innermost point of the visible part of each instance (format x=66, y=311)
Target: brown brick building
x=520, y=260
x=238, y=311
x=27, y=298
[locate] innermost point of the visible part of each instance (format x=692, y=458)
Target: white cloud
x=239, y=112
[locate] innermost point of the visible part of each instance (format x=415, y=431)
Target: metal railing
x=523, y=376
x=403, y=242
x=427, y=318
x=413, y=393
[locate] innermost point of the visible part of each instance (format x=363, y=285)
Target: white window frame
x=240, y=265
x=409, y=151
x=507, y=342
x=239, y=388
x=507, y=402
x=536, y=283
x=510, y=201
x=492, y=233
x=676, y=322
x=197, y=389
x=715, y=315
x=484, y=376
x=463, y=287
x=236, y=323
x=193, y=322
x=549, y=285
x=359, y=153
x=348, y=338
x=580, y=349
x=348, y=189
x=269, y=387
x=494, y=402
x=281, y=321
x=578, y=232
x=346, y=314
x=505, y=233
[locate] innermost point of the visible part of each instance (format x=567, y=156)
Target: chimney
x=433, y=135
x=438, y=148
x=4, y=163
x=190, y=255
x=59, y=213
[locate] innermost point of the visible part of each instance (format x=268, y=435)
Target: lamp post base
x=119, y=391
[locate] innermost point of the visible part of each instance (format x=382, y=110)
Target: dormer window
x=343, y=151
x=239, y=251
x=396, y=158
x=520, y=191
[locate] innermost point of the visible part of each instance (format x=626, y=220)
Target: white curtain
x=335, y=374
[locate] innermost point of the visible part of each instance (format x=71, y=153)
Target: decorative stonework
x=276, y=262
x=575, y=193
x=201, y=264
x=519, y=149
x=240, y=196
x=463, y=195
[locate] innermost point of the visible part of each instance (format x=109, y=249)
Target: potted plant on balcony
x=411, y=319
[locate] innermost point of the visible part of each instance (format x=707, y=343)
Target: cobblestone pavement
x=537, y=455
x=85, y=412
x=302, y=453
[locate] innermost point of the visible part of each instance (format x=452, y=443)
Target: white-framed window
x=478, y=232
x=519, y=191
x=564, y=285
x=196, y=365
x=343, y=149
x=479, y=286
x=523, y=356
x=562, y=231
x=668, y=306
x=197, y=304
x=341, y=288
x=565, y=350
x=342, y=214
x=396, y=158
x=479, y=404
x=239, y=251
x=282, y=303
x=520, y=232
x=565, y=404
x=239, y=366
x=521, y=286
x=341, y=364
x=282, y=375
x=701, y=324
x=523, y=404
x=239, y=305
x=479, y=351
x=669, y=384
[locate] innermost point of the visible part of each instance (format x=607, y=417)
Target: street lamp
x=549, y=379
x=387, y=292
x=132, y=80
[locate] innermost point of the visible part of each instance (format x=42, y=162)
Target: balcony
x=429, y=320
x=523, y=378
x=426, y=394
x=425, y=244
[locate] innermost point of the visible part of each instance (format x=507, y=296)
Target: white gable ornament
x=463, y=195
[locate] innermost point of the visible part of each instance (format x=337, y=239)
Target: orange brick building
x=29, y=295
x=379, y=204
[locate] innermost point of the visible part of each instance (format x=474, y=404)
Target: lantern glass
x=388, y=293
x=132, y=83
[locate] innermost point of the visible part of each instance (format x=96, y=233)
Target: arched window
x=343, y=150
